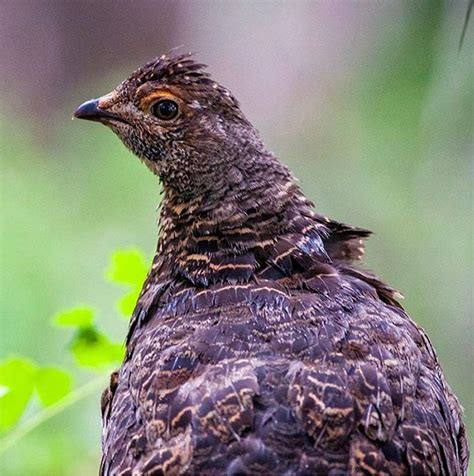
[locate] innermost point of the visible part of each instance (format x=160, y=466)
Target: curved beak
x=91, y=111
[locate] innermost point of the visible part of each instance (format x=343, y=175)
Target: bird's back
x=263, y=377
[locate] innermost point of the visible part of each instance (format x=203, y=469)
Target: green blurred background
x=369, y=103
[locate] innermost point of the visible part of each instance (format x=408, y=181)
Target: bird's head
x=187, y=128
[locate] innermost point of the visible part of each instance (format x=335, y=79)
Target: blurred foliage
x=393, y=153
x=129, y=268
x=21, y=379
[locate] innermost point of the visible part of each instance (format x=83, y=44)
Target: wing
x=273, y=382
x=383, y=397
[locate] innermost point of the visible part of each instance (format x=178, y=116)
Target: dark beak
x=91, y=111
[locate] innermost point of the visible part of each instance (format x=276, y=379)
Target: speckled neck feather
x=231, y=234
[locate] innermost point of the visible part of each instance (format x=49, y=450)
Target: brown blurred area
x=49, y=47
x=267, y=51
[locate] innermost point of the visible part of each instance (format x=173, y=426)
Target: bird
x=259, y=343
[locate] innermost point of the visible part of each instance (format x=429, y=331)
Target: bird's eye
x=165, y=109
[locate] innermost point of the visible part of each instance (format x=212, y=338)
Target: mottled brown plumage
x=257, y=346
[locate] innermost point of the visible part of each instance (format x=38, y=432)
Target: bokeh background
x=370, y=103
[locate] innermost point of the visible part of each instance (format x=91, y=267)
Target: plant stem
x=49, y=412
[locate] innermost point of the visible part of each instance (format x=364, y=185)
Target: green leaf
x=95, y=350
x=127, y=302
x=128, y=267
x=76, y=317
x=52, y=384
x=17, y=378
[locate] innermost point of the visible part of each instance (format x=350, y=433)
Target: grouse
x=257, y=345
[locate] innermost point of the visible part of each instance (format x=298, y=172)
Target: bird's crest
x=170, y=68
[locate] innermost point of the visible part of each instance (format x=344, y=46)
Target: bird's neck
x=230, y=233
